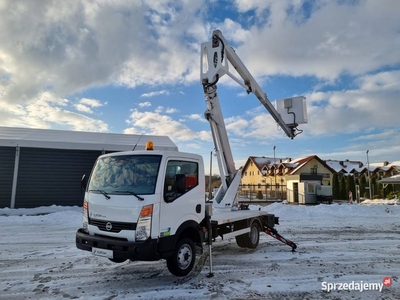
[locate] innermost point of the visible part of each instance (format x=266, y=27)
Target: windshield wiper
x=102, y=192
x=129, y=192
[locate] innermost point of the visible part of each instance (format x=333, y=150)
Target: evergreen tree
x=380, y=188
x=350, y=187
x=388, y=190
x=363, y=184
x=374, y=187
x=343, y=194
x=335, y=186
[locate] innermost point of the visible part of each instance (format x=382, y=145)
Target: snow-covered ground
x=350, y=245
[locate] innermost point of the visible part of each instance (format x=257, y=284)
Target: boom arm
x=215, y=58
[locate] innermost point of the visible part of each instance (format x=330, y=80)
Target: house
x=296, y=179
x=346, y=167
x=304, y=177
x=385, y=169
x=291, y=179
x=41, y=167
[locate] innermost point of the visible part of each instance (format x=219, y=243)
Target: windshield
x=125, y=174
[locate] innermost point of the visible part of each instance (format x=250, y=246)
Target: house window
x=258, y=172
x=245, y=173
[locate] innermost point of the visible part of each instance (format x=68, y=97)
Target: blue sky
x=134, y=67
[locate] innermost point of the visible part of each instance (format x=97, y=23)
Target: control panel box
x=292, y=110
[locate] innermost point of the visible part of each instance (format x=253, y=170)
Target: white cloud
x=156, y=123
x=48, y=111
x=66, y=48
x=90, y=102
x=69, y=47
x=389, y=134
x=197, y=117
x=145, y=104
x=237, y=125
x=153, y=94
x=170, y=110
x=193, y=146
x=159, y=109
x=374, y=104
x=383, y=81
x=85, y=105
x=334, y=39
x=83, y=108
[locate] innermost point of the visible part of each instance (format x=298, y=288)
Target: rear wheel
x=251, y=239
x=254, y=236
x=241, y=240
x=181, y=262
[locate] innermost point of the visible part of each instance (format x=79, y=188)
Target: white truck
x=150, y=204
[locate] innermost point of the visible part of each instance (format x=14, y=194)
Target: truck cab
x=139, y=204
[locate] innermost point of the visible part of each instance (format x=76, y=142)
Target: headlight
x=85, y=217
x=143, y=228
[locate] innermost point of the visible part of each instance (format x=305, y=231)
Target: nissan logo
x=108, y=226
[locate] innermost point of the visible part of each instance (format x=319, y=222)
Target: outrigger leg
x=272, y=232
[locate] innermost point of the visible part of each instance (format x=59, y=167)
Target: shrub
x=259, y=195
x=391, y=195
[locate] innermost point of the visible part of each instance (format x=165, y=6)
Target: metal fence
x=262, y=192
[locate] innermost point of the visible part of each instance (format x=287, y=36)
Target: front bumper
x=146, y=251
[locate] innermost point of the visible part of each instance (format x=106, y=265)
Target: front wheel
x=181, y=262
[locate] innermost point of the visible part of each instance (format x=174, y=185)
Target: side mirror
x=83, y=183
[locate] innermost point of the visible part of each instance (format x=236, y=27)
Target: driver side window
x=181, y=177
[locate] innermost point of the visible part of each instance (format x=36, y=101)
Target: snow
x=336, y=244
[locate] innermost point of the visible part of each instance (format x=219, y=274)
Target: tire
x=241, y=240
x=117, y=260
x=254, y=235
x=251, y=239
x=181, y=262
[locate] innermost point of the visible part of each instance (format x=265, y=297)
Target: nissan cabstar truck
x=149, y=204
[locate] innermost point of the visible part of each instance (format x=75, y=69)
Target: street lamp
x=369, y=178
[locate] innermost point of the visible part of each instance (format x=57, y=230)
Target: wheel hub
x=184, y=256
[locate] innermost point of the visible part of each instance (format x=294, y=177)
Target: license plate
x=103, y=252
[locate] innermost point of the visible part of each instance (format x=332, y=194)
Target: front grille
x=115, y=226
x=117, y=239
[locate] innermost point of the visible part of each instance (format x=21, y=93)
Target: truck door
x=183, y=197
